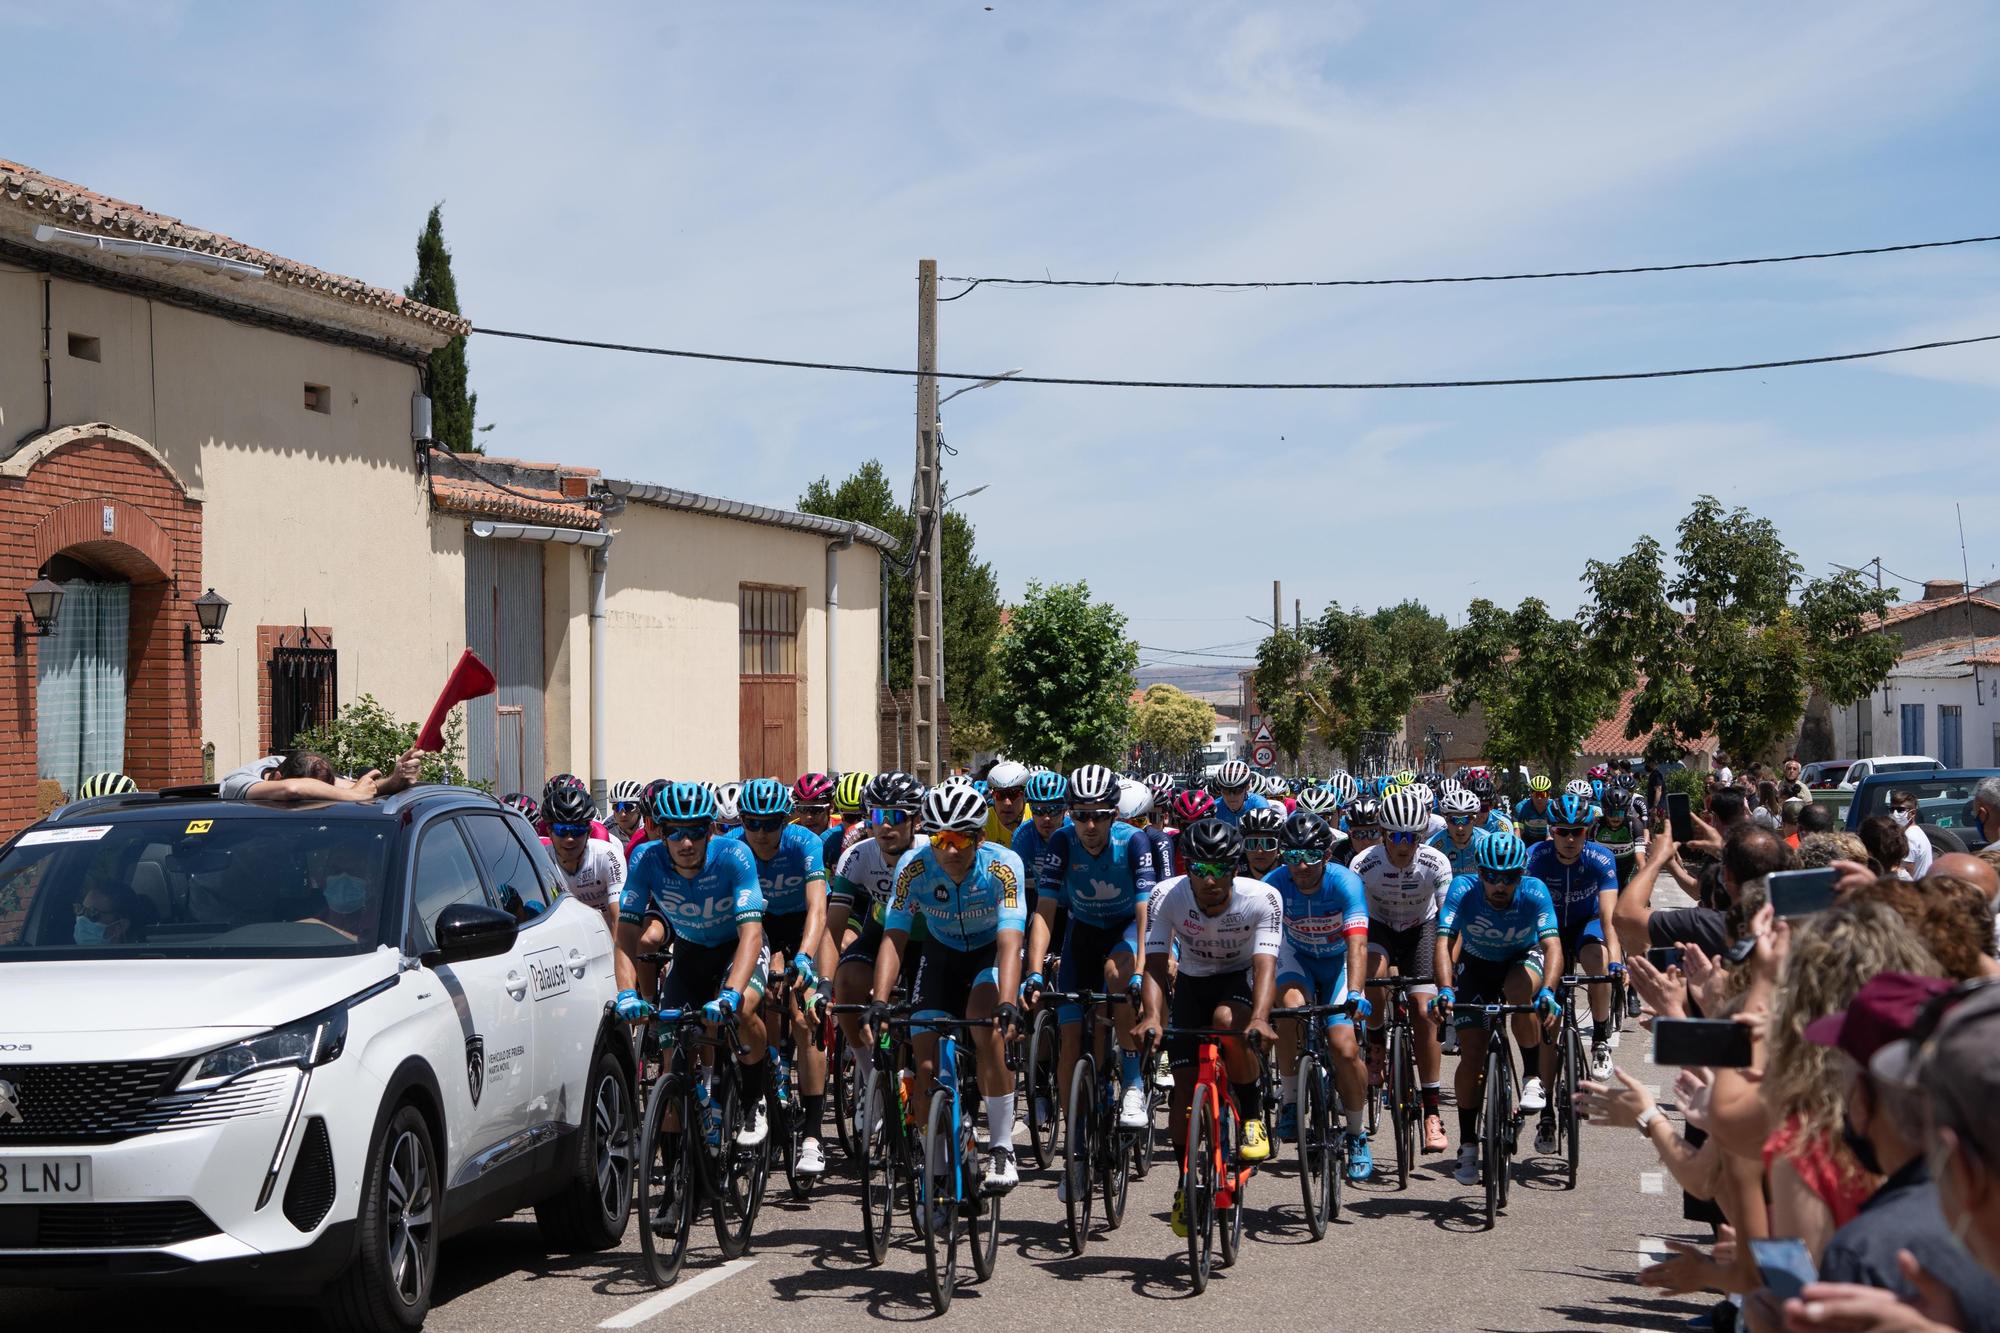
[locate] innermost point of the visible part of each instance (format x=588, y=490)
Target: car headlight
x=310, y=1041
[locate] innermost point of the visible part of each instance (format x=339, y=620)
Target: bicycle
x=1044, y=1075
x=1500, y=1127
x=1568, y=1118
x=1212, y=1184
x=947, y=1187
x=785, y=1107
x=884, y=1137
x=1095, y=1143
x=1323, y=1151
x=1402, y=1095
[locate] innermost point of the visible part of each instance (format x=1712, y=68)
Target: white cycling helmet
x=1232, y=775
x=1581, y=787
x=1007, y=773
x=725, y=803
x=1135, y=799
x=1405, y=810
x=1344, y=788
x=1093, y=784
x=954, y=807
x=631, y=789
x=1318, y=801
x=1276, y=786
x=1459, y=801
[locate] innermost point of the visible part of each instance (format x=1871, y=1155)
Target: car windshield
x=181, y=887
x=1942, y=803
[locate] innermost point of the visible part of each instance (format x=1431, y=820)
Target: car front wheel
x=388, y=1285
x=590, y=1212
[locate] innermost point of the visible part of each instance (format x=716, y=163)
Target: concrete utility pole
x=927, y=582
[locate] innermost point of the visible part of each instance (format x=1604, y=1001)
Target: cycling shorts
x=864, y=947
x=1324, y=980
x=946, y=977
x=1085, y=951
x=1574, y=933
x=1483, y=981
x=784, y=934
x=1412, y=952
x=699, y=971
x=1194, y=1002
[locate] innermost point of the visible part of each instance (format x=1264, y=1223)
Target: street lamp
x=982, y=384
x=966, y=495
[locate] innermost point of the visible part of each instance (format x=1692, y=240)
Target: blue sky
x=762, y=178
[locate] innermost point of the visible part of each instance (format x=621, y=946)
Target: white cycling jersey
x=864, y=867
x=1252, y=924
x=599, y=877
x=1400, y=899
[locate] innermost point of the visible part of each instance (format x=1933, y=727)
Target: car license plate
x=44, y=1180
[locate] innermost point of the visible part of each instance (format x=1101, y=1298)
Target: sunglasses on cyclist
x=1567, y=830
x=1260, y=842
x=1400, y=836
x=687, y=832
x=1303, y=856
x=813, y=808
x=1501, y=876
x=569, y=830
x=1092, y=816
x=953, y=840
x=1008, y=793
x=1458, y=821
x=623, y=807
x=763, y=823
x=1365, y=831
x=1211, y=870
x=880, y=815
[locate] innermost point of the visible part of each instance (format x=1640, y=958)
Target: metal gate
x=304, y=693
x=504, y=624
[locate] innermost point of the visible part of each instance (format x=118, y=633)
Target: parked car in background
x=1944, y=804
x=1824, y=774
x=1862, y=769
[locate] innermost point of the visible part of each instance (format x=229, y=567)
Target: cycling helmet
x=1162, y=787
x=1578, y=787
x=1600, y=771
x=1192, y=806
x=1212, y=840
x=1047, y=787
x=1364, y=812
x=1268, y=819
x=954, y=807
x=726, y=797
x=1134, y=800
x=1571, y=809
x=847, y=793
x=1405, y=811
x=1423, y=793
x=650, y=791
x=1275, y=786
x=813, y=789
x=764, y=798
x=1307, y=832
x=1318, y=800
x=628, y=790
x=569, y=805
x=1344, y=788
x=1481, y=788
x=1093, y=784
x=684, y=803
x=894, y=791
x=1502, y=852
x=526, y=804
x=1459, y=801
x=1446, y=786
x=980, y=785
x=1539, y=782
x=1597, y=790
x=562, y=780
x=104, y=784
x=1232, y=775
x=1006, y=775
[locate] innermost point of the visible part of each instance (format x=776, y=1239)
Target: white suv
x=295, y=1047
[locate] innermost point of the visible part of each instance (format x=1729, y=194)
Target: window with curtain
x=80, y=685
x=1913, y=729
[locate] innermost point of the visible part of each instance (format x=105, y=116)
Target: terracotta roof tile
x=1911, y=610
x=1608, y=737
x=484, y=499
x=83, y=209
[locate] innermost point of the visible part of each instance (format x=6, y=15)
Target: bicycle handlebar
x=1399, y=983
x=1309, y=1011
x=1581, y=980
x=1086, y=997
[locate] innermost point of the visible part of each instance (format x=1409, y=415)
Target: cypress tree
x=453, y=405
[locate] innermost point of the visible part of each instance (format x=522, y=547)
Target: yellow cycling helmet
x=1540, y=782
x=847, y=792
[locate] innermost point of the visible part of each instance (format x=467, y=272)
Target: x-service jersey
x=1400, y=899
x=1101, y=890
x=965, y=915
x=1251, y=925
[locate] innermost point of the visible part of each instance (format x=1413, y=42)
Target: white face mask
x=1902, y=818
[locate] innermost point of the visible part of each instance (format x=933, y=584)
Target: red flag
x=469, y=679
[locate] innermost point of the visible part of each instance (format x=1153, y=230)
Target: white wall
x=1977, y=718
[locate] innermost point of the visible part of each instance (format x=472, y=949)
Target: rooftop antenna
x=1965, y=568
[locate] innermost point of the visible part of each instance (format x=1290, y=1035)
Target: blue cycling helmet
x=980, y=785
x=1047, y=787
x=1502, y=852
x=764, y=798
x=684, y=803
x=1597, y=790
x=1572, y=809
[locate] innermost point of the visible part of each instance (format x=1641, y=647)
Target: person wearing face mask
x=344, y=890
x=107, y=914
x=1903, y=809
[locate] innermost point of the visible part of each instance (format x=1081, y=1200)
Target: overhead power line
x=1252, y=285
x=1092, y=383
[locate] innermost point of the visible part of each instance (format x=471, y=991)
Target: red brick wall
x=156, y=542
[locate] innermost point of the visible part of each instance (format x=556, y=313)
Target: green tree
x=1062, y=681
x=1349, y=673
x=454, y=407
x=365, y=735
x=1533, y=674
x=1729, y=642
x=1282, y=688
x=1171, y=720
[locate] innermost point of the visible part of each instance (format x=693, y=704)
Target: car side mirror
x=466, y=931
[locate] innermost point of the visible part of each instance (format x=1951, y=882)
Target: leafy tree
x=1062, y=682
x=1720, y=646
x=1349, y=673
x=1533, y=674
x=365, y=735
x=454, y=406
x=1282, y=689
x=1171, y=720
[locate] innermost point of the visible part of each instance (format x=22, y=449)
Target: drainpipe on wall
x=600, y=562
x=833, y=550
x=48, y=371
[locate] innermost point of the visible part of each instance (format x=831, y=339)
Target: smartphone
x=1665, y=957
x=1680, y=819
x=1801, y=892
x=1785, y=1265
x=1716, y=1042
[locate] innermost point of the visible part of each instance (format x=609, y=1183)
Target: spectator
x=1961, y=1082
x=1904, y=810
x=1788, y=822
x=1748, y=853
x=1888, y=848
x=1986, y=808
x=1727, y=807
x=1819, y=850
x=1815, y=818
x=1956, y=922
x=1791, y=788
x=109, y=913
x=1765, y=812
x=306, y=776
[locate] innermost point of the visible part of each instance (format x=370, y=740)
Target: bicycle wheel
x=1198, y=1185
x=1402, y=1075
x=1510, y=1142
x=788, y=1134
x=1374, y=1108
x=667, y=1185
x=982, y=1214
x=875, y=1148
x=938, y=1202
x=1313, y=1149
x=1568, y=1122
x=736, y=1202
x=1078, y=1130
x=1146, y=1141
x=1114, y=1180
x=1230, y=1220
x=841, y=1082
x=1044, y=1050
x=1493, y=1133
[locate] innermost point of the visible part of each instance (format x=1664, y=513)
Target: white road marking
x=1652, y=1251
x=1653, y=1091
x=673, y=1296
x=1652, y=1182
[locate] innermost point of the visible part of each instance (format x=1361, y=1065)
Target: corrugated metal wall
x=505, y=732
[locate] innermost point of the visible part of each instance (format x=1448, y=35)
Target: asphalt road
x=1415, y=1260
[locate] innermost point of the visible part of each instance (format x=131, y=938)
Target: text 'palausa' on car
x=293, y=1047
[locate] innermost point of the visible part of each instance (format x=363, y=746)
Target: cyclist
x=1622, y=827
x=1406, y=882
x=728, y=814
x=971, y=896
x=1233, y=783
x=1326, y=942
x=1007, y=789
x=569, y=781
x=794, y=882
x=626, y=811
x=812, y=807
x=1102, y=872
x=707, y=888
x=1493, y=811
x=1229, y=931
x=1461, y=838
x=858, y=899
x=1583, y=882
x=1531, y=816
x=1501, y=918
x=1047, y=790
x=530, y=808
x=592, y=869
x=1260, y=839
x=105, y=784
x=1363, y=826
x=1135, y=807
x=851, y=823
x=1190, y=807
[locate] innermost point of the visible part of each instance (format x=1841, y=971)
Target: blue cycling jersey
x=1028, y=846
x=1101, y=890
x=705, y=908
x=831, y=844
x=1464, y=860
x=1157, y=846
x=1252, y=801
x=1574, y=888
x=1497, y=821
x=1526, y=811
x=785, y=876
x=1497, y=934
x=961, y=915
x=1317, y=924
